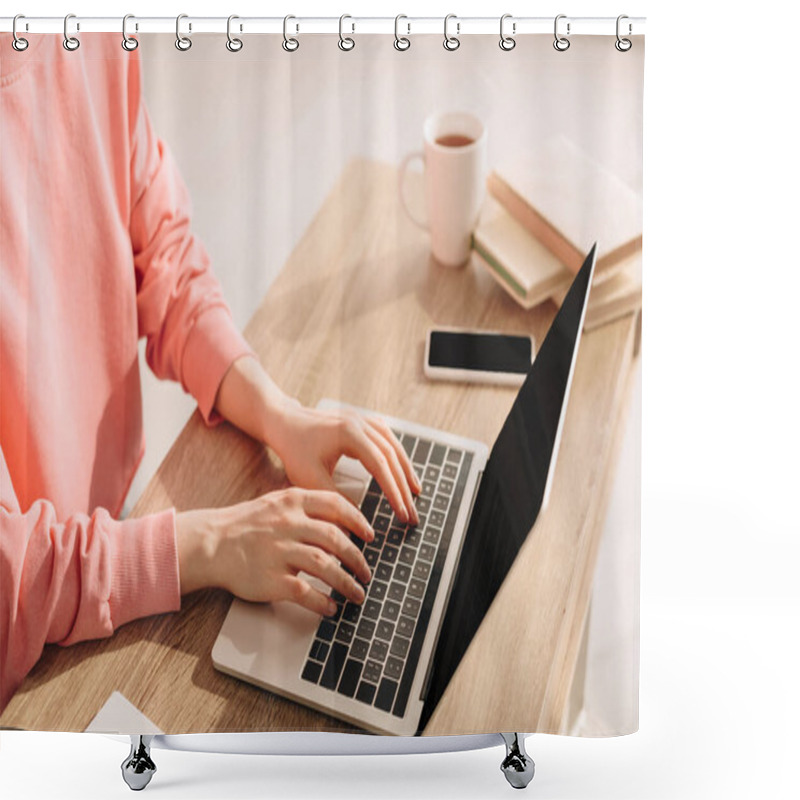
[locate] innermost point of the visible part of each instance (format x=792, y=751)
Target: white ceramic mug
x=454, y=156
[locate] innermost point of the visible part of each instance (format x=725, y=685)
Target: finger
x=408, y=468
x=324, y=566
x=334, y=507
x=335, y=541
x=371, y=456
x=397, y=471
x=304, y=594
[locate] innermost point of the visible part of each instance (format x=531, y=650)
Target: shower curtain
x=241, y=250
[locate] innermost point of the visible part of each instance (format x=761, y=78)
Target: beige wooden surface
x=346, y=319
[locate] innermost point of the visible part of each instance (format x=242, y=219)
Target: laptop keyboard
x=370, y=651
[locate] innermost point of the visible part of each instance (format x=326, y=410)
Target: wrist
x=197, y=538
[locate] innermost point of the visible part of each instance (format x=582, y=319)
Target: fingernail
x=331, y=608
x=360, y=593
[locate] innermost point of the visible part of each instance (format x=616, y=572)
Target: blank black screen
x=485, y=352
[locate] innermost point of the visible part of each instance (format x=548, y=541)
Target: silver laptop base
x=138, y=768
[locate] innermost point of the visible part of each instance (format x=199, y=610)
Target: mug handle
x=401, y=176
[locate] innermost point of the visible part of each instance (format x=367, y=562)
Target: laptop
x=384, y=665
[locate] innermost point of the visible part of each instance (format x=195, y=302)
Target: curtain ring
x=183, y=43
x=451, y=42
x=561, y=43
x=233, y=44
x=401, y=42
x=345, y=42
x=71, y=43
x=507, y=42
x=623, y=45
x=289, y=43
x=17, y=42
x=128, y=42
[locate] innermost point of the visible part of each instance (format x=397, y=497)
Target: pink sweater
x=96, y=251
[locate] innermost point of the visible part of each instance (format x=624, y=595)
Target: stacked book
x=542, y=215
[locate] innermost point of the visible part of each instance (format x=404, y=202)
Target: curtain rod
x=407, y=26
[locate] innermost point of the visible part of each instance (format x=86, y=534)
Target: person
x=96, y=251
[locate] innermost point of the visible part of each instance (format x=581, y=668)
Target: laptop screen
x=514, y=486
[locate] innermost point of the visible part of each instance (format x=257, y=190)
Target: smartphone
x=454, y=354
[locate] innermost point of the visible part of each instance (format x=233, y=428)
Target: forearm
x=251, y=400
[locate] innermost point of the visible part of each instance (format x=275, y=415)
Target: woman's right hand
x=256, y=549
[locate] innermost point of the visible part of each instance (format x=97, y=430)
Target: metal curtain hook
x=233, y=44
x=345, y=42
x=17, y=42
x=71, y=42
x=623, y=45
x=560, y=43
x=289, y=43
x=401, y=42
x=183, y=43
x=128, y=42
x=451, y=42
x=507, y=42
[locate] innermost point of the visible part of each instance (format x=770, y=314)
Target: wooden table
x=346, y=319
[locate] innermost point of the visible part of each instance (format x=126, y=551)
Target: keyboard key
x=422, y=520
x=414, y=537
x=389, y=554
x=366, y=692
x=400, y=646
x=391, y=610
x=326, y=630
x=432, y=474
x=378, y=651
x=383, y=572
x=423, y=505
x=372, y=672
x=334, y=666
x=386, y=693
x=432, y=536
x=408, y=443
x=397, y=591
x=381, y=524
x=337, y=596
x=426, y=552
x=395, y=537
x=446, y=486
x=319, y=650
x=428, y=489
x=421, y=453
x=441, y=502
x=351, y=612
x=453, y=456
x=312, y=671
x=437, y=519
x=377, y=590
x=378, y=541
x=370, y=504
x=407, y=556
x=366, y=628
x=385, y=630
x=405, y=625
x=422, y=570
x=385, y=507
x=350, y=676
x=335, y=616
x=360, y=648
x=450, y=471
x=402, y=573
x=437, y=455
x=372, y=610
x=372, y=556
x=393, y=668
x=345, y=633
x=416, y=588
x=411, y=607
x=374, y=488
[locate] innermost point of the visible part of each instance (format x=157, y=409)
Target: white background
x=720, y=608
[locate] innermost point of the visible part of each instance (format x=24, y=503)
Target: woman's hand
x=310, y=442
x=256, y=549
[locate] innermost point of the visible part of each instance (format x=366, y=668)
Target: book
x=523, y=266
x=567, y=201
x=609, y=300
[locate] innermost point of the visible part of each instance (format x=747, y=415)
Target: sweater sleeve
x=74, y=579
x=190, y=333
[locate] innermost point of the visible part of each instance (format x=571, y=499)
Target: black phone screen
x=483, y=352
